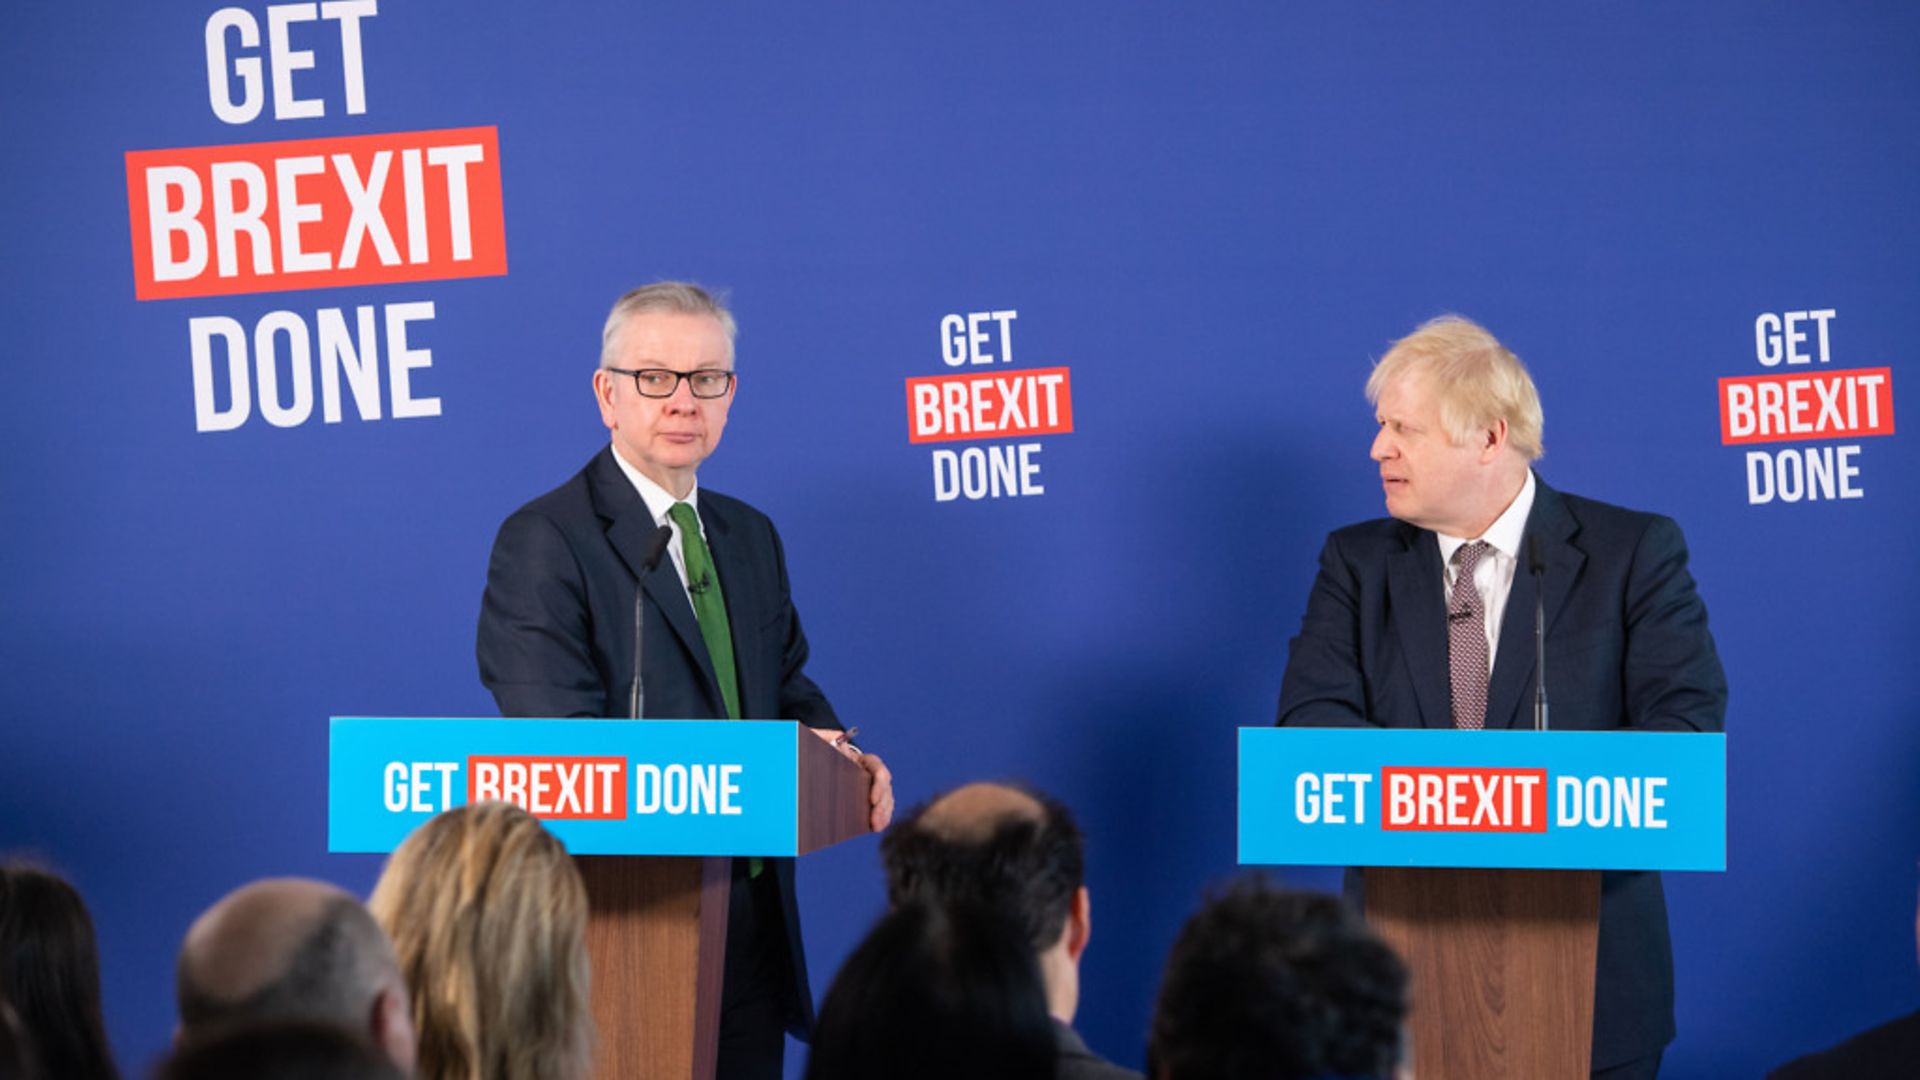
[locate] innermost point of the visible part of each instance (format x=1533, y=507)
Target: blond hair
x=1476, y=379
x=488, y=918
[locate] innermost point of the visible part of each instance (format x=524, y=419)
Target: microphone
x=656, y=547
x=1538, y=568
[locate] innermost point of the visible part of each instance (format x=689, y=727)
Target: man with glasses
x=719, y=634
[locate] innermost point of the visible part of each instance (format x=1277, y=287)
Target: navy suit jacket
x=1627, y=647
x=556, y=630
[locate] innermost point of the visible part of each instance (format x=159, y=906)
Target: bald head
x=972, y=814
x=291, y=949
x=1015, y=850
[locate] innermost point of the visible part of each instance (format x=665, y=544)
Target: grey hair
x=331, y=976
x=679, y=297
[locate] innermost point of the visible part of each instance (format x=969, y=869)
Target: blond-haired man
x=1424, y=619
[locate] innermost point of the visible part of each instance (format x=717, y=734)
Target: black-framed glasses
x=661, y=382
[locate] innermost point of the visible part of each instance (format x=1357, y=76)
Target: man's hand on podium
x=879, y=778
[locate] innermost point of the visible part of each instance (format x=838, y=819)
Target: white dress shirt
x=1493, y=578
x=659, y=500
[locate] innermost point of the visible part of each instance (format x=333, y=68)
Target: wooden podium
x=1483, y=852
x=657, y=933
x=654, y=812
x=1502, y=965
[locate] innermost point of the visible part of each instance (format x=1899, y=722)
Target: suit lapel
x=730, y=562
x=1514, y=663
x=630, y=529
x=1419, y=617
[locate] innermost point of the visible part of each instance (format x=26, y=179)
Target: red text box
x=1808, y=405
x=989, y=405
x=1463, y=800
x=593, y=788
x=316, y=213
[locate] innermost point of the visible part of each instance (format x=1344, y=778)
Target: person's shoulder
x=1885, y=1051
x=736, y=513
x=1589, y=511
x=1093, y=1068
x=1076, y=1062
x=732, y=507
x=573, y=498
x=1610, y=521
x=1373, y=537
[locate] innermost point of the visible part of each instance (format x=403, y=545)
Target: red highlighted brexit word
x=990, y=405
x=316, y=213
x=1463, y=800
x=1803, y=406
x=592, y=788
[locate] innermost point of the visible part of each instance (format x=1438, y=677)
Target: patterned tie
x=710, y=607
x=1467, y=639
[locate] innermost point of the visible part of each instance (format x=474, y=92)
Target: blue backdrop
x=1213, y=215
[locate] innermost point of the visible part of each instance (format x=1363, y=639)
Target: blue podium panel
x=1556, y=800
x=605, y=787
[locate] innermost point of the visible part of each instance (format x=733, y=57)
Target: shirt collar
x=658, y=499
x=1505, y=534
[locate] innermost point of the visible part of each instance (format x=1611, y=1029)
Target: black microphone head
x=656, y=548
x=1535, y=565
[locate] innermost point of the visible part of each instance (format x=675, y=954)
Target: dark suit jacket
x=1076, y=1062
x=1627, y=647
x=556, y=634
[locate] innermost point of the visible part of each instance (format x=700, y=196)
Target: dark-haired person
x=281, y=1051
x=50, y=973
x=1277, y=985
x=1021, y=853
x=722, y=639
x=936, y=993
x=293, y=950
x=17, y=1059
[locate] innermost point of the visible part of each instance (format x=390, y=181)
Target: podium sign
x=691, y=794
x=604, y=787
x=1560, y=800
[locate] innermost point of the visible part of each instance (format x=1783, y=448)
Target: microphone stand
x=637, y=695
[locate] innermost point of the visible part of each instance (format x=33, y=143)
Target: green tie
x=709, y=604
x=710, y=607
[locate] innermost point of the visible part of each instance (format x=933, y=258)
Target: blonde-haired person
x=1425, y=618
x=1477, y=382
x=488, y=917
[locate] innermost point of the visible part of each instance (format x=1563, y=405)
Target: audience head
x=1277, y=984
x=290, y=949
x=488, y=915
x=50, y=973
x=1016, y=851
x=280, y=1051
x=936, y=993
x=17, y=1060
